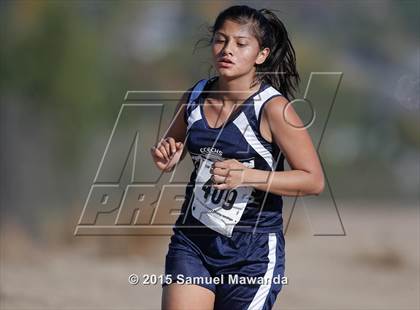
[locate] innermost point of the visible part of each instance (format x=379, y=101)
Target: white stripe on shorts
x=262, y=293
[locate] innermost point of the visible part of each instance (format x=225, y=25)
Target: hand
x=167, y=153
x=228, y=174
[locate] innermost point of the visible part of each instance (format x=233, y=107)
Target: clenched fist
x=166, y=154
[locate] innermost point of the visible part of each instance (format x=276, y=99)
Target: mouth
x=225, y=63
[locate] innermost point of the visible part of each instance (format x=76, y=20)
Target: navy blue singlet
x=245, y=208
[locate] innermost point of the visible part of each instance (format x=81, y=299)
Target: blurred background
x=66, y=67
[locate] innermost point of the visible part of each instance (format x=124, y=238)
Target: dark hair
x=279, y=69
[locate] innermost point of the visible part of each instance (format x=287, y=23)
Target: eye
x=242, y=44
x=218, y=40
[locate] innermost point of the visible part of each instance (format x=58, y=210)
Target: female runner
x=228, y=246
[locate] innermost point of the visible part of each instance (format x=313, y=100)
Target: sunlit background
x=66, y=67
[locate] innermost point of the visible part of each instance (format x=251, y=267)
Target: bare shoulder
x=280, y=112
x=275, y=105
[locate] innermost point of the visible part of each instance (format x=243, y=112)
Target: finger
x=221, y=186
x=219, y=171
x=156, y=153
x=161, y=165
x=162, y=149
x=218, y=179
x=167, y=147
x=220, y=164
x=179, y=145
x=172, y=144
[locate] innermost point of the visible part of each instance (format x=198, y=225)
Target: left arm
x=288, y=132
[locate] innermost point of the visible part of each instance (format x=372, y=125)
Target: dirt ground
x=374, y=266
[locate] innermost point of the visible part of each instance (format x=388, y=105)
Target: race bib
x=219, y=210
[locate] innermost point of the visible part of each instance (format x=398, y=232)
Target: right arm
x=170, y=150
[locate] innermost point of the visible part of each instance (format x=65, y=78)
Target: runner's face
x=236, y=43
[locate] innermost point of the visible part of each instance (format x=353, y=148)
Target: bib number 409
x=215, y=195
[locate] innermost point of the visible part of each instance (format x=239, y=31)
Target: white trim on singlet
x=195, y=115
x=262, y=97
x=248, y=133
x=260, y=297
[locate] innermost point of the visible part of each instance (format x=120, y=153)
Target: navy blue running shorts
x=244, y=271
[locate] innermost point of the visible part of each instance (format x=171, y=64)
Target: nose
x=227, y=49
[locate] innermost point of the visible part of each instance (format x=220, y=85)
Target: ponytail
x=279, y=69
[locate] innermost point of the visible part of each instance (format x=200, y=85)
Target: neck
x=235, y=90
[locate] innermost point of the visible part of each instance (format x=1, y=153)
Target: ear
x=262, y=56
